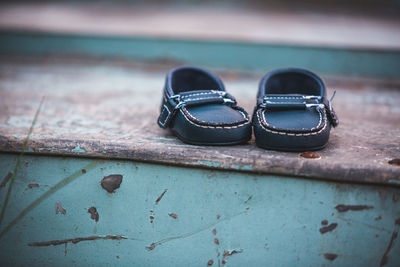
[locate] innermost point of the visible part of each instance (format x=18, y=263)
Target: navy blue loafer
x=196, y=107
x=292, y=112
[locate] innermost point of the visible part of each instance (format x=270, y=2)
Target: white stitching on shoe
x=214, y=127
x=290, y=134
x=200, y=98
x=205, y=93
x=318, y=125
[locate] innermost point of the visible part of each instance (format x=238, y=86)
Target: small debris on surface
x=161, y=196
x=111, y=182
x=210, y=262
x=151, y=218
x=214, y=231
x=83, y=171
x=33, y=185
x=94, y=215
x=218, y=216
x=6, y=179
x=330, y=256
x=328, y=228
x=324, y=222
x=60, y=209
x=395, y=162
x=173, y=215
x=310, y=155
x=344, y=208
x=216, y=241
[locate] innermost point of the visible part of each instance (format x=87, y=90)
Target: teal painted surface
x=269, y=220
x=244, y=56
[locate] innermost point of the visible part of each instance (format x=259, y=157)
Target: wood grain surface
x=108, y=109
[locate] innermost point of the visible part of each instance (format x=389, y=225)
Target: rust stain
x=214, y=231
x=216, y=241
x=344, y=208
x=33, y=185
x=173, y=215
x=385, y=257
x=328, y=228
x=60, y=209
x=330, y=256
x=161, y=196
x=6, y=179
x=83, y=171
x=396, y=197
x=324, y=222
x=111, y=182
x=310, y=155
x=74, y=240
x=94, y=215
x=210, y=262
x=395, y=162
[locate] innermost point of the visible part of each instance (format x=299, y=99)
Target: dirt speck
x=210, y=262
x=310, y=155
x=83, y=171
x=111, y=182
x=216, y=241
x=218, y=216
x=214, y=231
x=324, y=222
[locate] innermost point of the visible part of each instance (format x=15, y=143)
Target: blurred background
x=337, y=37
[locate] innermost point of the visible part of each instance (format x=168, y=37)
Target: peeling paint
x=111, y=182
x=173, y=215
x=209, y=163
x=74, y=240
x=328, y=228
x=78, y=149
x=248, y=167
x=94, y=215
x=344, y=208
x=161, y=196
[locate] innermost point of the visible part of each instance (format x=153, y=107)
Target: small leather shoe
x=292, y=112
x=198, y=110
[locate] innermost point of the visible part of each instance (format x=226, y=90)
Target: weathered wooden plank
x=234, y=55
x=108, y=109
x=270, y=24
x=222, y=217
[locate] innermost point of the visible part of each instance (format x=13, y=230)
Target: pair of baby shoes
x=292, y=111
